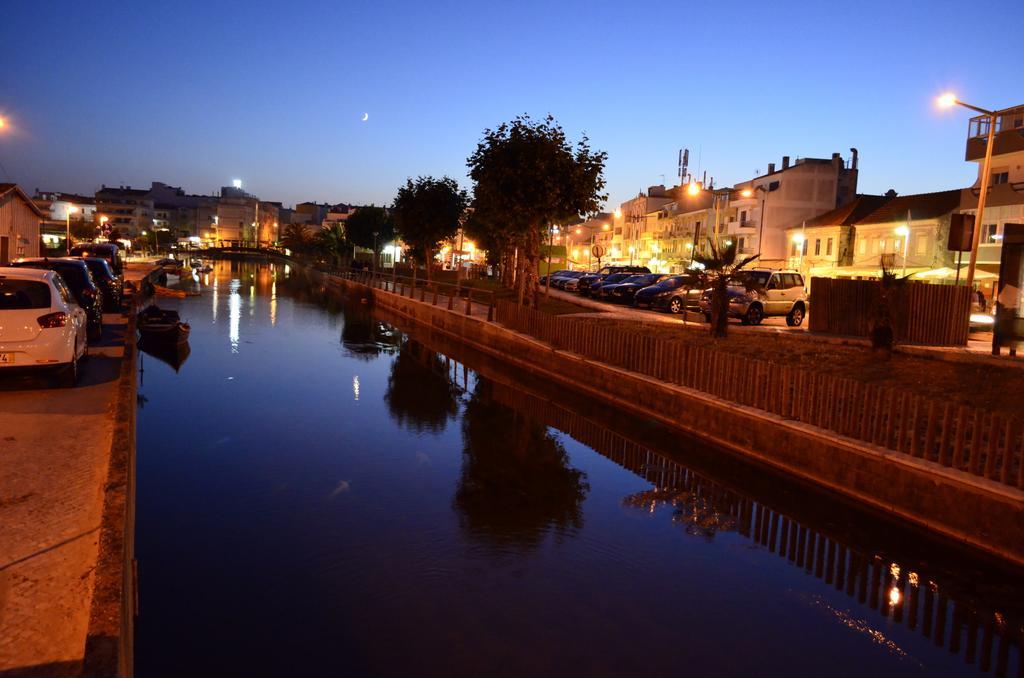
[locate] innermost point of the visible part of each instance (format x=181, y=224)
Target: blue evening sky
x=196, y=93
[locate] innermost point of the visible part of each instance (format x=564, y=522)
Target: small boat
x=162, y=291
x=174, y=355
x=162, y=326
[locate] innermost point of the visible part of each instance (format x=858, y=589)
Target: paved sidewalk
x=54, y=450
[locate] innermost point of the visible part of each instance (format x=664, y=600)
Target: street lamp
x=948, y=100
x=67, y=241
x=904, y=232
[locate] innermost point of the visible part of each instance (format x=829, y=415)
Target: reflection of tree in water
x=420, y=396
x=516, y=483
x=697, y=514
x=366, y=337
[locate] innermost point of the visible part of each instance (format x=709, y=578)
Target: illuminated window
x=828, y=247
x=817, y=246
x=863, y=246
x=922, y=244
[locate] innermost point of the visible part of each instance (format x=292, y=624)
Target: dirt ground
x=977, y=383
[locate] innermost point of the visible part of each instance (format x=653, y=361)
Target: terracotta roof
x=921, y=206
x=851, y=212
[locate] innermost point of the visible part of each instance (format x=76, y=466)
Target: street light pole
x=67, y=236
x=947, y=101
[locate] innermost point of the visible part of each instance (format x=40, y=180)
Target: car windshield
x=756, y=278
x=636, y=279
x=16, y=295
x=616, y=277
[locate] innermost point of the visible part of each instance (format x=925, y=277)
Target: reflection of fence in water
x=906, y=596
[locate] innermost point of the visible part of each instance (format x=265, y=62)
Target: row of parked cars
x=765, y=292
x=52, y=307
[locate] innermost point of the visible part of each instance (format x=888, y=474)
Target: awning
x=947, y=273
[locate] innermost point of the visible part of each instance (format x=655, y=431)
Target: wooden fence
x=936, y=315
x=968, y=439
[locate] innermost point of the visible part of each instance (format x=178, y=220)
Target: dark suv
x=585, y=283
x=110, y=282
x=104, y=250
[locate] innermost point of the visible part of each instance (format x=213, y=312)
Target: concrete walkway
x=54, y=451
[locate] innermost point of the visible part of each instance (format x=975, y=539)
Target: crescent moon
x=366, y=116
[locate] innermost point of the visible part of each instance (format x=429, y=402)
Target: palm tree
x=881, y=322
x=296, y=237
x=330, y=242
x=718, y=271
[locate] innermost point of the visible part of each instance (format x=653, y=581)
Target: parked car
x=623, y=292
x=572, y=284
x=81, y=283
x=552, y=275
x=562, y=282
x=586, y=282
x=111, y=283
x=595, y=287
x=104, y=250
x=673, y=294
x=41, y=326
x=768, y=293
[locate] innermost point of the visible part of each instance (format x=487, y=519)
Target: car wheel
x=676, y=306
x=68, y=377
x=795, y=317
x=753, y=316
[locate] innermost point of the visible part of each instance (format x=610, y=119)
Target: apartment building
x=1005, y=201
x=767, y=206
x=242, y=217
x=129, y=210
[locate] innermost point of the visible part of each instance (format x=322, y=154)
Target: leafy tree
x=720, y=271
x=364, y=223
x=330, y=243
x=516, y=485
x=528, y=172
x=83, y=230
x=419, y=395
x=297, y=237
x=427, y=212
x=490, y=236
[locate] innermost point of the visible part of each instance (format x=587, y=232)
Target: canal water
x=326, y=491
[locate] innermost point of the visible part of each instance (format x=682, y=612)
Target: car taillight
x=51, y=320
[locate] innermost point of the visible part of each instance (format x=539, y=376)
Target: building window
x=742, y=244
x=922, y=244
x=806, y=243
x=1000, y=178
x=743, y=217
x=881, y=246
x=863, y=246
x=794, y=250
x=990, y=233
x=817, y=246
x=828, y=247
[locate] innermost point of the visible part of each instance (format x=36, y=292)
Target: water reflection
x=364, y=336
x=419, y=395
x=516, y=485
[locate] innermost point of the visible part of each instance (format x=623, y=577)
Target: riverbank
x=957, y=505
x=65, y=512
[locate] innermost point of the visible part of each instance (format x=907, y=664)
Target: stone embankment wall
x=978, y=512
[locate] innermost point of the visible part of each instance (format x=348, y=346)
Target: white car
x=41, y=326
